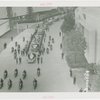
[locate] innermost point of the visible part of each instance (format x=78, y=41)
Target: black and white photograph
x=49, y=49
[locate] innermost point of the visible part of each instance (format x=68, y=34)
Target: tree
x=75, y=42
x=69, y=22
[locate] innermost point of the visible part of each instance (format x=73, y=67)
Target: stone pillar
x=10, y=15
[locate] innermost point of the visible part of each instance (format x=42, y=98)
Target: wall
x=91, y=32
x=3, y=12
x=17, y=11
x=4, y=27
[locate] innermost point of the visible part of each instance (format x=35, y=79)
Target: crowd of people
x=18, y=54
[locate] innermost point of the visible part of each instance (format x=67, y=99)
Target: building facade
x=87, y=20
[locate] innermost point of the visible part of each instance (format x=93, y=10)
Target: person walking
x=20, y=60
x=23, y=39
x=47, y=50
x=38, y=72
x=20, y=84
x=12, y=49
x=15, y=73
x=61, y=46
x=1, y=83
x=70, y=73
x=51, y=47
x=41, y=60
x=17, y=60
x=9, y=84
x=48, y=43
x=24, y=74
x=59, y=33
x=52, y=40
x=18, y=49
x=35, y=84
x=49, y=38
x=22, y=53
x=5, y=74
x=43, y=50
x=16, y=44
x=11, y=38
x=5, y=45
x=74, y=80
x=38, y=59
x=15, y=54
x=62, y=55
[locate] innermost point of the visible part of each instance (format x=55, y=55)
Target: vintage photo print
x=49, y=49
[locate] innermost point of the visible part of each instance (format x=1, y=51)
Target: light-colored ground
x=54, y=71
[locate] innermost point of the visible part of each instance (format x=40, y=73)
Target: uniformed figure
x=52, y=40
x=61, y=46
x=9, y=84
x=17, y=60
x=19, y=46
x=12, y=49
x=48, y=43
x=62, y=55
x=59, y=33
x=51, y=47
x=20, y=84
x=23, y=52
x=24, y=74
x=35, y=84
x=11, y=38
x=15, y=54
x=20, y=60
x=47, y=50
x=38, y=59
x=16, y=73
x=43, y=50
x=23, y=39
x=18, y=50
x=41, y=60
x=5, y=45
x=1, y=83
x=38, y=72
x=16, y=44
x=49, y=38
x=5, y=74
x=74, y=80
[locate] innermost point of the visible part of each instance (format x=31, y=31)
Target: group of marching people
x=19, y=53
x=50, y=44
x=10, y=82
x=15, y=75
x=61, y=47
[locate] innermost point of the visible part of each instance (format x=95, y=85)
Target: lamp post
x=86, y=75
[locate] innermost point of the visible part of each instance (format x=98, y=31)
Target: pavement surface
x=54, y=75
